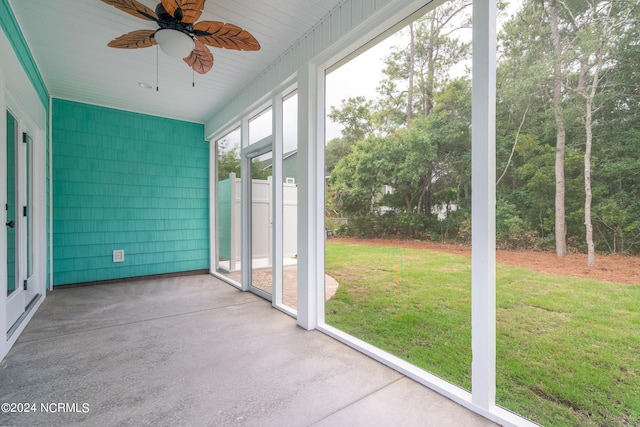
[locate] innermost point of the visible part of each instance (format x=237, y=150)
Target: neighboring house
x=289, y=166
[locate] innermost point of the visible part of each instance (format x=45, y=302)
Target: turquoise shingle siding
x=224, y=219
x=128, y=181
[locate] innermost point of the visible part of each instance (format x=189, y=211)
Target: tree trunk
x=588, y=123
x=560, y=224
x=427, y=101
x=591, y=258
x=412, y=63
x=599, y=54
x=408, y=203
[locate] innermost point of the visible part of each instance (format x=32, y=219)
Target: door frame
x=247, y=155
x=274, y=99
x=16, y=301
x=24, y=303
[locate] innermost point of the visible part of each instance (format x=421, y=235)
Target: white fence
x=229, y=208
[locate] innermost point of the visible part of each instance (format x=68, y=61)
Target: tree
x=560, y=224
x=616, y=212
x=415, y=73
x=429, y=158
x=335, y=150
x=229, y=162
x=591, y=25
x=355, y=116
x=573, y=42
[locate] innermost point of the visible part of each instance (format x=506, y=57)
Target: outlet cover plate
x=118, y=255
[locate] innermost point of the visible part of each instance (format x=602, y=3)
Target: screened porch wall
x=127, y=181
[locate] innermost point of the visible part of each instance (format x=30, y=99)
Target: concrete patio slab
x=195, y=351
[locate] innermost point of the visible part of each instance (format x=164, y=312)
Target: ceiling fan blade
x=134, y=40
x=228, y=36
x=200, y=59
x=134, y=8
x=187, y=11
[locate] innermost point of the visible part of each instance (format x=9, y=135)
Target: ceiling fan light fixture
x=174, y=43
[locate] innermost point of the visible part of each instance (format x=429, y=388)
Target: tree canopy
x=566, y=112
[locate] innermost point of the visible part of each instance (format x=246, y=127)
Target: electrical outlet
x=118, y=255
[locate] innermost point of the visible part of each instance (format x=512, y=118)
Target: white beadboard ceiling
x=68, y=39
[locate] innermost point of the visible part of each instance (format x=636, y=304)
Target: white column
x=483, y=178
x=245, y=209
x=276, y=198
x=234, y=212
x=213, y=207
x=310, y=198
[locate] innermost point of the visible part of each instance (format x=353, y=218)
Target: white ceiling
x=68, y=39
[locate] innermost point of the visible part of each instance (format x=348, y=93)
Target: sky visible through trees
x=398, y=129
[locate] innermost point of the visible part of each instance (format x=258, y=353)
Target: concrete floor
x=195, y=351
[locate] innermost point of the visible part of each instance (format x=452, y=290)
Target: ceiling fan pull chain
x=193, y=78
x=157, y=72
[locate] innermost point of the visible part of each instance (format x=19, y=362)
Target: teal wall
x=128, y=181
x=224, y=219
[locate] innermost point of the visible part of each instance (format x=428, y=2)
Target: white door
x=19, y=169
x=257, y=162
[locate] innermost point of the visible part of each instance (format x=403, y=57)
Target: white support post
x=310, y=199
x=213, y=208
x=234, y=244
x=483, y=202
x=276, y=198
x=245, y=210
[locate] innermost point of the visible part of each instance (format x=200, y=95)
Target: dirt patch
x=609, y=268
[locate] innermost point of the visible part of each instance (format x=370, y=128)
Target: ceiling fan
x=179, y=34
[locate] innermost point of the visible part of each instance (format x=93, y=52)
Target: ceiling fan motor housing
x=166, y=21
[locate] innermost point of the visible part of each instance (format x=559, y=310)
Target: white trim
x=483, y=205
x=50, y=129
x=250, y=111
x=227, y=280
x=310, y=202
x=5, y=346
x=213, y=206
x=277, y=210
x=245, y=206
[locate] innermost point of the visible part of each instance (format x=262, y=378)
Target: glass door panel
x=261, y=223
x=289, y=184
x=14, y=225
x=229, y=199
x=11, y=205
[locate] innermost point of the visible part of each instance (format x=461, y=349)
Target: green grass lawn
x=568, y=349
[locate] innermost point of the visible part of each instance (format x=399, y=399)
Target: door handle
x=10, y=224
